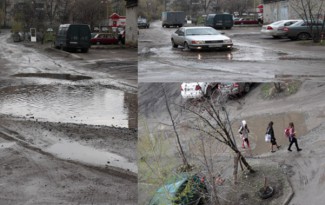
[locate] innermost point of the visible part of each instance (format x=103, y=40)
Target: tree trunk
x=243, y=160
x=236, y=157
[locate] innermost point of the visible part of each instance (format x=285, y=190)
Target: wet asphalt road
x=50, y=85
x=254, y=58
x=90, y=100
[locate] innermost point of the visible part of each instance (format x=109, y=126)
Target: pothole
x=54, y=76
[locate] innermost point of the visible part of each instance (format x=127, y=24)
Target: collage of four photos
x=189, y=102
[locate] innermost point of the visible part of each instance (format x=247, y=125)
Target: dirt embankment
x=41, y=177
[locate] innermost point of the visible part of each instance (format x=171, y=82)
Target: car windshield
x=142, y=20
x=277, y=23
x=201, y=31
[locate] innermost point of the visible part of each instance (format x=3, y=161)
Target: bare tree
x=186, y=165
x=88, y=12
x=52, y=10
x=213, y=121
x=313, y=13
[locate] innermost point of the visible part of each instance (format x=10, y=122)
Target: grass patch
x=268, y=90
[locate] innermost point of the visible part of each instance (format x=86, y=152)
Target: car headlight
x=227, y=41
x=197, y=42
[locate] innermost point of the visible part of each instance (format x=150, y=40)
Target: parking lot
x=254, y=57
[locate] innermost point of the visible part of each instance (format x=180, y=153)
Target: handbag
x=267, y=138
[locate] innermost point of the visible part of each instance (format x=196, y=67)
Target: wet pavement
x=254, y=58
x=67, y=111
x=85, y=154
x=48, y=87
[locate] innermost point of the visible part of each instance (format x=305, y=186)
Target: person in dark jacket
x=292, y=137
x=270, y=131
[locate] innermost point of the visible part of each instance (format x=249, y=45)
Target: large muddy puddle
x=77, y=152
x=69, y=104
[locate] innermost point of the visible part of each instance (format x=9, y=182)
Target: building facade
x=275, y=10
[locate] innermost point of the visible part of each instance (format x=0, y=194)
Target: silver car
x=200, y=38
x=197, y=90
x=276, y=29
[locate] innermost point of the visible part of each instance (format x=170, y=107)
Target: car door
x=179, y=37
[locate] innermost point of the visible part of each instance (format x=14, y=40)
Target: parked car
x=104, y=38
x=301, y=30
x=219, y=21
x=143, y=23
x=246, y=21
x=200, y=38
x=276, y=29
x=16, y=37
x=184, y=188
x=73, y=37
x=197, y=90
x=234, y=88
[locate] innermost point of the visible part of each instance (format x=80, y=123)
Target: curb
x=290, y=196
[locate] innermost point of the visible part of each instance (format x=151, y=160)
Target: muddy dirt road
x=67, y=125
x=254, y=58
x=306, y=109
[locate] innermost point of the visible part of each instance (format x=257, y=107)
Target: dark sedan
x=304, y=30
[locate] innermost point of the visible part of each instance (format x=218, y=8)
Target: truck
x=219, y=21
x=173, y=18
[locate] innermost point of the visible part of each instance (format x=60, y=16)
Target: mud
x=41, y=179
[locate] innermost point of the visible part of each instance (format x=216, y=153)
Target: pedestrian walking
x=270, y=131
x=292, y=137
x=243, y=131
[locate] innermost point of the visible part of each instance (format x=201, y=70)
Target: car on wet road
x=197, y=89
x=200, y=38
x=276, y=29
x=183, y=188
x=304, y=30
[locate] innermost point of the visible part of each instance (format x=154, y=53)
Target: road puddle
x=70, y=104
x=77, y=152
x=54, y=76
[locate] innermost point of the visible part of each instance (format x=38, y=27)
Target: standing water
x=67, y=104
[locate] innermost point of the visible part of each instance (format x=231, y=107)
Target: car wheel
x=98, y=43
x=208, y=92
x=174, y=44
x=303, y=36
x=246, y=88
x=186, y=46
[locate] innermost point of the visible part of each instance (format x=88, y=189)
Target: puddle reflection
x=72, y=104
